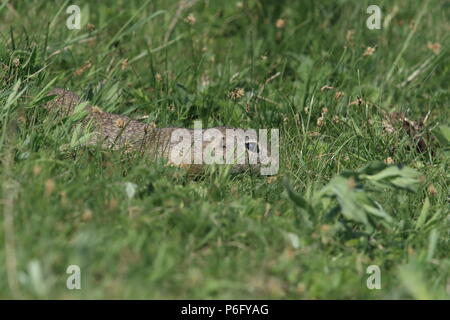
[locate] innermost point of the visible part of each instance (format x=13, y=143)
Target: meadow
x=363, y=116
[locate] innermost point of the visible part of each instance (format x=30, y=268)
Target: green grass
x=308, y=233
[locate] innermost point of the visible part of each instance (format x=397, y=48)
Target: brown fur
x=119, y=132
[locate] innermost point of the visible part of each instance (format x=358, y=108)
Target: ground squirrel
x=119, y=132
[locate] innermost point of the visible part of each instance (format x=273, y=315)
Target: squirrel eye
x=252, y=146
